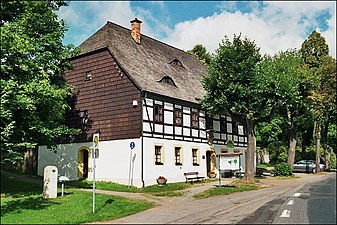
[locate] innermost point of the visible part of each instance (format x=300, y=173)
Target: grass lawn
x=22, y=203
x=170, y=189
x=234, y=186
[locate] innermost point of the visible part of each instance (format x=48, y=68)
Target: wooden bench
x=192, y=176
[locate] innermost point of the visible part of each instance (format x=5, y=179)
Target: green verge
x=22, y=203
x=234, y=186
x=169, y=189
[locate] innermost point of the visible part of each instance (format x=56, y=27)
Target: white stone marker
x=50, y=182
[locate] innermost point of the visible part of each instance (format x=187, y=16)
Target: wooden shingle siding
x=107, y=98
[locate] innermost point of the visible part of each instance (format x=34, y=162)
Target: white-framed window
x=178, y=154
x=195, y=156
x=178, y=117
x=159, y=154
x=240, y=130
x=195, y=120
x=158, y=114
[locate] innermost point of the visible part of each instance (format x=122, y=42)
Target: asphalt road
x=314, y=203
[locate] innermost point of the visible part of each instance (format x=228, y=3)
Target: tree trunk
x=318, y=146
x=303, y=153
x=324, y=140
x=327, y=159
x=251, y=147
x=292, y=138
x=292, y=145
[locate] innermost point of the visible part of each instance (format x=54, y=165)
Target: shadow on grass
x=109, y=201
x=225, y=185
x=59, y=194
x=30, y=203
x=80, y=183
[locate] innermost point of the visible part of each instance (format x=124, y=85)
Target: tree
x=233, y=84
x=33, y=59
x=287, y=76
x=326, y=93
x=314, y=51
x=200, y=52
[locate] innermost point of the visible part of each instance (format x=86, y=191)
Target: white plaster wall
x=113, y=163
x=64, y=158
x=169, y=170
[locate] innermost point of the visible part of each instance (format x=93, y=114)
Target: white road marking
x=297, y=194
x=285, y=213
x=291, y=202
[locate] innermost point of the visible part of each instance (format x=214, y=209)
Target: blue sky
x=274, y=26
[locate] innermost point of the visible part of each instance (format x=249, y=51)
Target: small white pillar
x=50, y=182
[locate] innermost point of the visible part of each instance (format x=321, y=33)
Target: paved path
x=165, y=200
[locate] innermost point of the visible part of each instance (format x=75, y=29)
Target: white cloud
x=330, y=34
x=84, y=18
x=275, y=27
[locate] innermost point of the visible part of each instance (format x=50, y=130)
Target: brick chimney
x=135, y=30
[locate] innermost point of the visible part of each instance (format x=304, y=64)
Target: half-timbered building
x=134, y=89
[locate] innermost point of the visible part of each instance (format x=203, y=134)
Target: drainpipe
x=142, y=139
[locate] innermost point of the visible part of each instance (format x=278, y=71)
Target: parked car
x=307, y=166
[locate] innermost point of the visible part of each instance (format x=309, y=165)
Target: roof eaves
x=124, y=70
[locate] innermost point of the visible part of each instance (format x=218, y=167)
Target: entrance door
x=208, y=162
x=83, y=163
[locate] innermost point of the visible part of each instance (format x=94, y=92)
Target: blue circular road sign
x=132, y=145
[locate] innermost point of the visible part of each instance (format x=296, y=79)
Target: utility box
x=50, y=182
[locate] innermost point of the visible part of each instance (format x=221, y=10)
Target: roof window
x=176, y=62
x=167, y=80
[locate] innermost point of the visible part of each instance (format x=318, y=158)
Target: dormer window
x=176, y=62
x=167, y=80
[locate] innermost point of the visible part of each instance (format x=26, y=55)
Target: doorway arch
x=211, y=163
x=83, y=163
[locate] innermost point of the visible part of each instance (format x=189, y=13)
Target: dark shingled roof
x=149, y=62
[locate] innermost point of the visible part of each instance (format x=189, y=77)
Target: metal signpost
x=95, y=150
x=132, y=146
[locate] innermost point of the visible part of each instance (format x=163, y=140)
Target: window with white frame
x=158, y=154
x=158, y=114
x=195, y=156
x=178, y=155
x=195, y=120
x=178, y=117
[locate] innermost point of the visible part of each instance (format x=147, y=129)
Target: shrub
x=11, y=159
x=283, y=157
x=282, y=169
